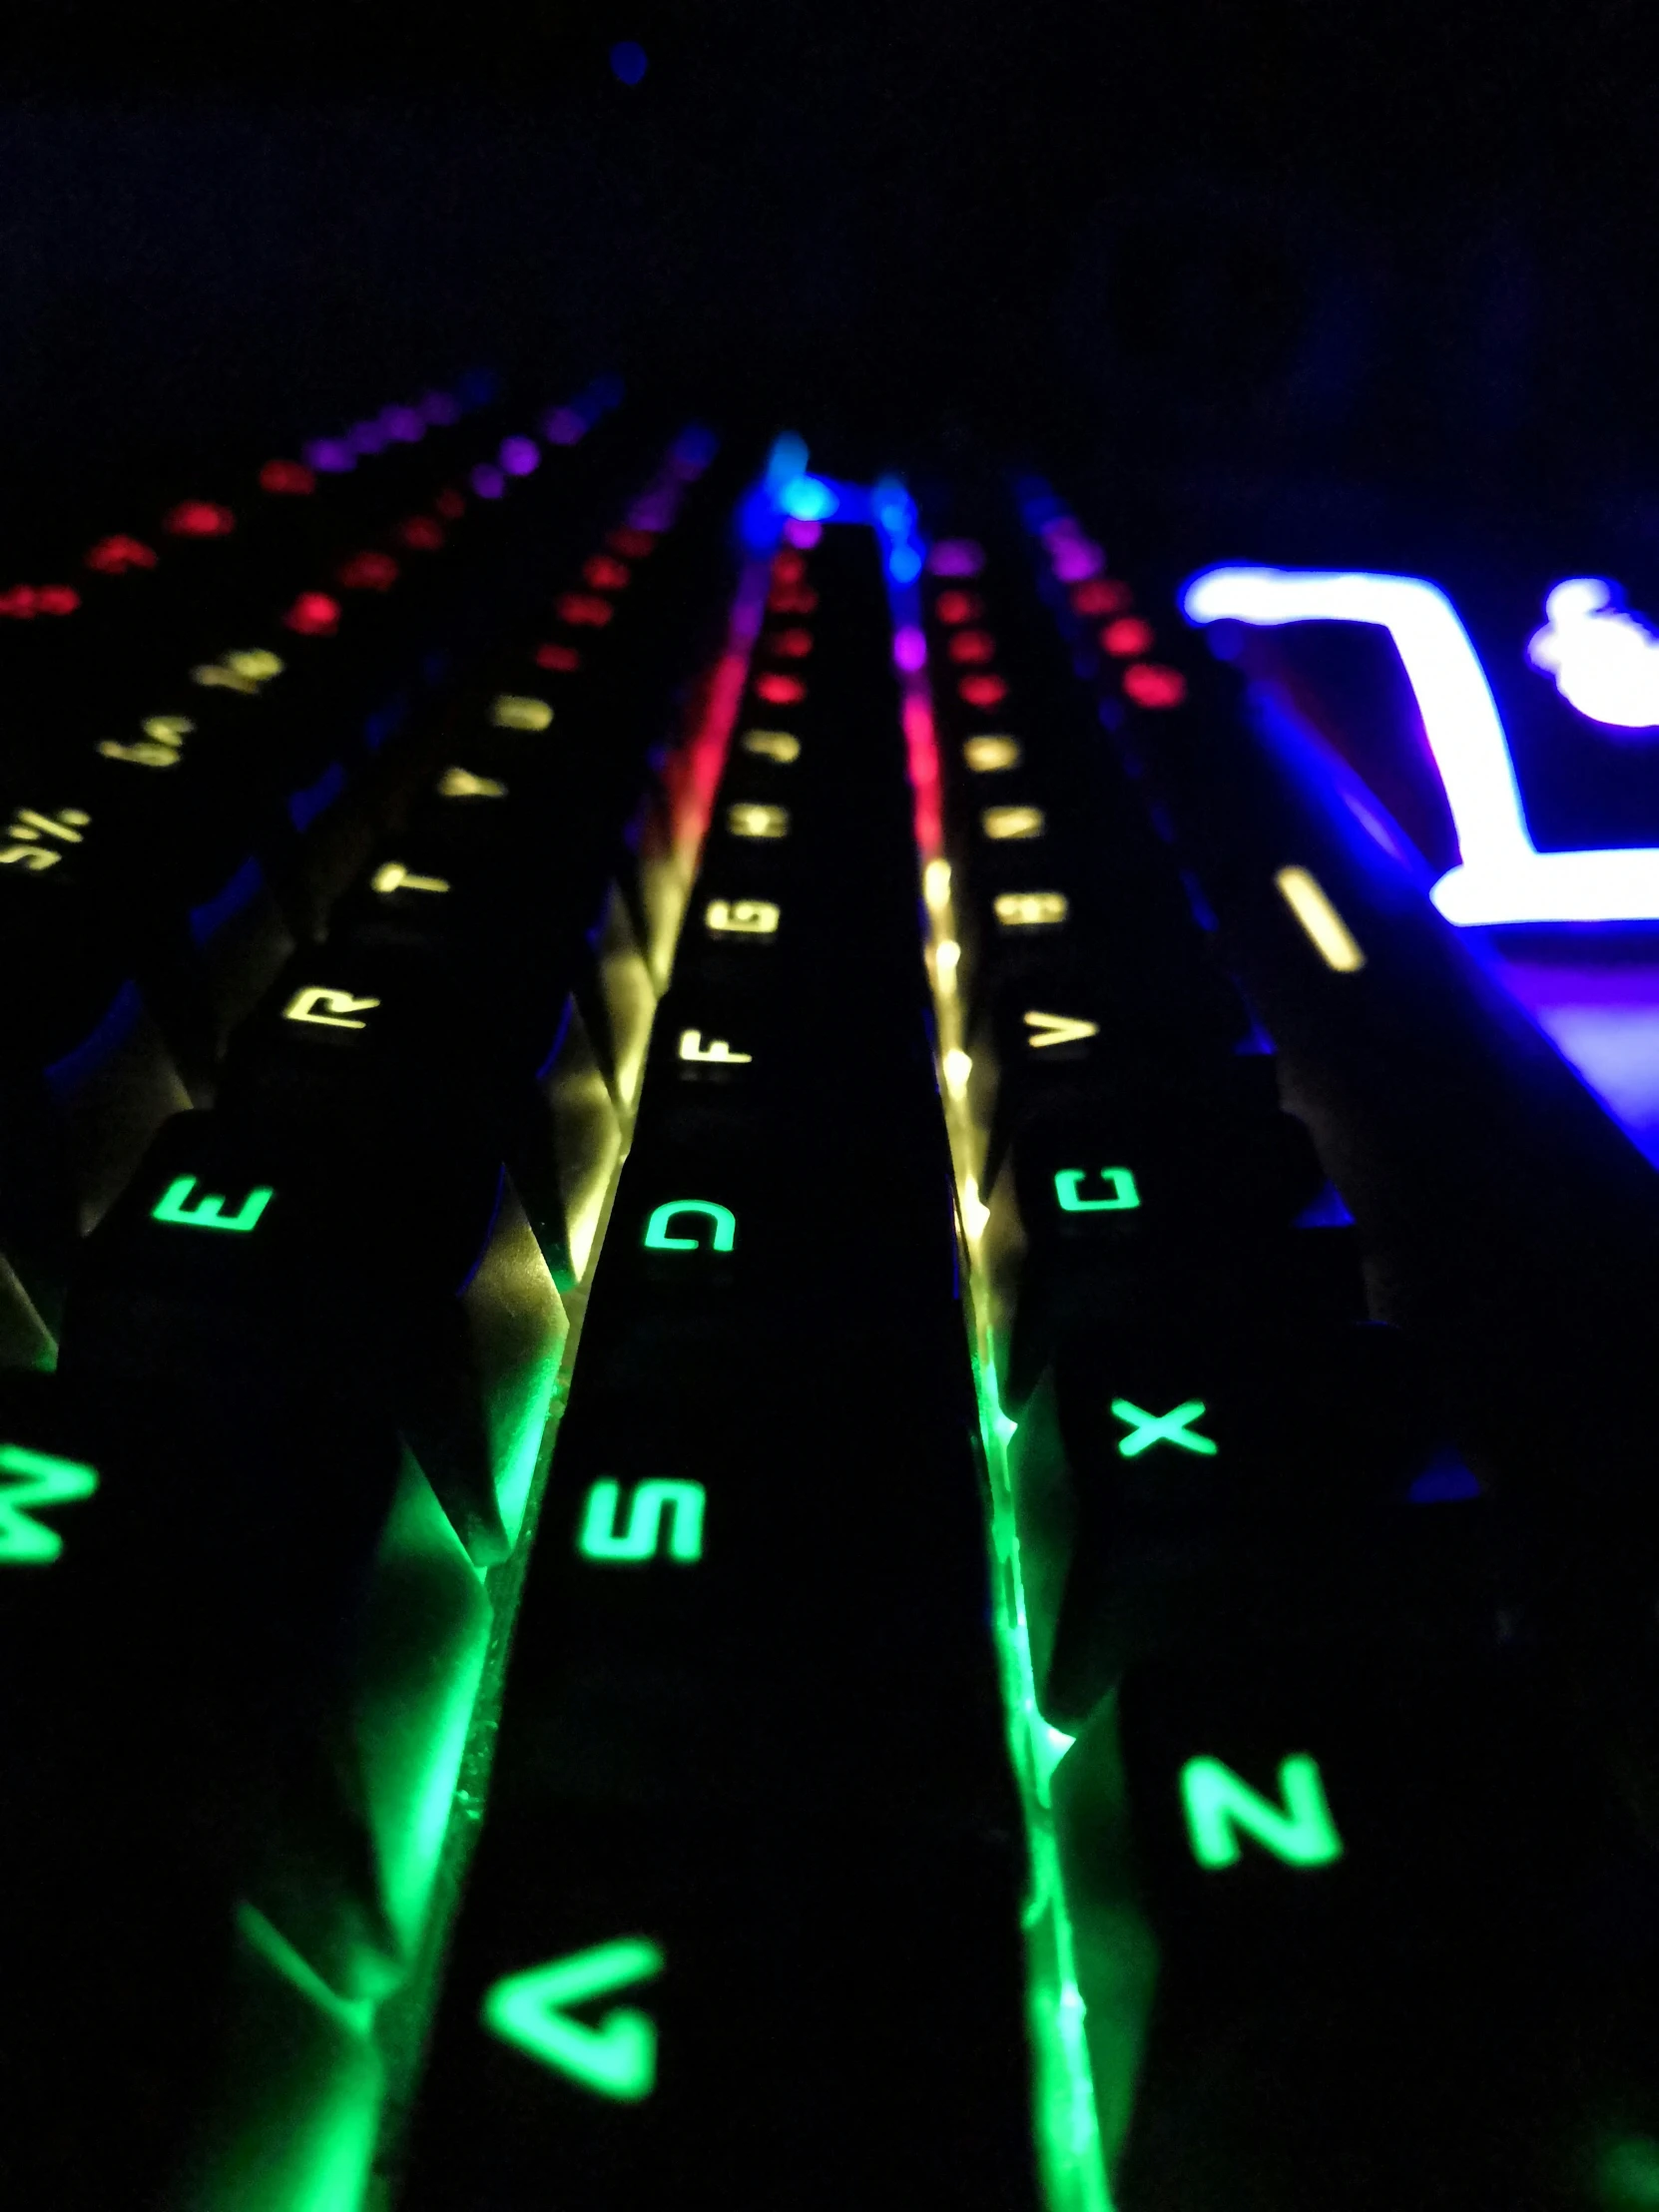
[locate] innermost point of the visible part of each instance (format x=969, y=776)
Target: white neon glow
x=1503, y=876
x=1604, y=662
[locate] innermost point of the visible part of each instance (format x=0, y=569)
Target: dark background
x=1234, y=267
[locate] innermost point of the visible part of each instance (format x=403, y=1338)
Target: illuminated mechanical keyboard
x=803, y=1402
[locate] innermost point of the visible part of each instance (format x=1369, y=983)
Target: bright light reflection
x=808, y=499
x=1604, y=662
x=1503, y=876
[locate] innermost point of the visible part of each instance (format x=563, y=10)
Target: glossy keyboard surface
x=802, y=1398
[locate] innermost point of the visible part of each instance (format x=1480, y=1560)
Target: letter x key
x=1173, y=1428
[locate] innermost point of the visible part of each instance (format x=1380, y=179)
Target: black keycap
x=1367, y=1900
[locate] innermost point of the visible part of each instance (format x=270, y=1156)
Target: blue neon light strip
x=1503, y=876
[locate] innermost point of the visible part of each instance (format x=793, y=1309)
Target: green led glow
x=1173, y=1428
x=1066, y=2115
x=209, y=1210
x=1218, y=1805
x=658, y=1239
x=618, y=2058
x=37, y=1479
x=423, y=1646
x=1121, y=1193
x=681, y=1502
x=320, y=2078
x=1067, y=2120
x=1627, y=2175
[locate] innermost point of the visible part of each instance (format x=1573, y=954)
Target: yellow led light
x=772, y=745
x=975, y=1213
x=1004, y=823
x=947, y=958
x=717, y=1052
x=257, y=663
x=168, y=729
x=758, y=821
x=1325, y=928
x=460, y=783
x=143, y=756
x=958, y=1066
x=985, y=756
x=1048, y=1029
x=1031, y=909
x=935, y=885
x=741, y=918
x=392, y=876
x=328, y=1009
x=510, y=712
x=67, y=825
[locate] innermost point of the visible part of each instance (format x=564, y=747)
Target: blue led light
x=1503, y=876
x=808, y=499
x=894, y=512
x=628, y=61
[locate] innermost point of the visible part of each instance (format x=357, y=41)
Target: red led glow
x=24, y=601
x=564, y=658
x=292, y=477
x=603, y=573
x=314, y=614
x=790, y=645
x=983, y=691
x=582, y=610
x=789, y=568
x=973, y=646
x=368, y=572
x=958, y=606
x=1102, y=595
x=777, y=689
x=115, y=556
x=198, y=518
x=633, y=545
x=451, y=505
x=792, y=599
x=421, y=534
x=1125, y=636
x=1150, y=685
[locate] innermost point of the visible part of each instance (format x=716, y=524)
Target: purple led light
x=956, y=557
x=367, y=437
x=407, y=424
x=438, y=407
x=518, y=456
x=330, y=456
x=653, y=510
x=909, y=650
x=487, y=481
x=564, y=426
x=804, y=534
x=1073, y=559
